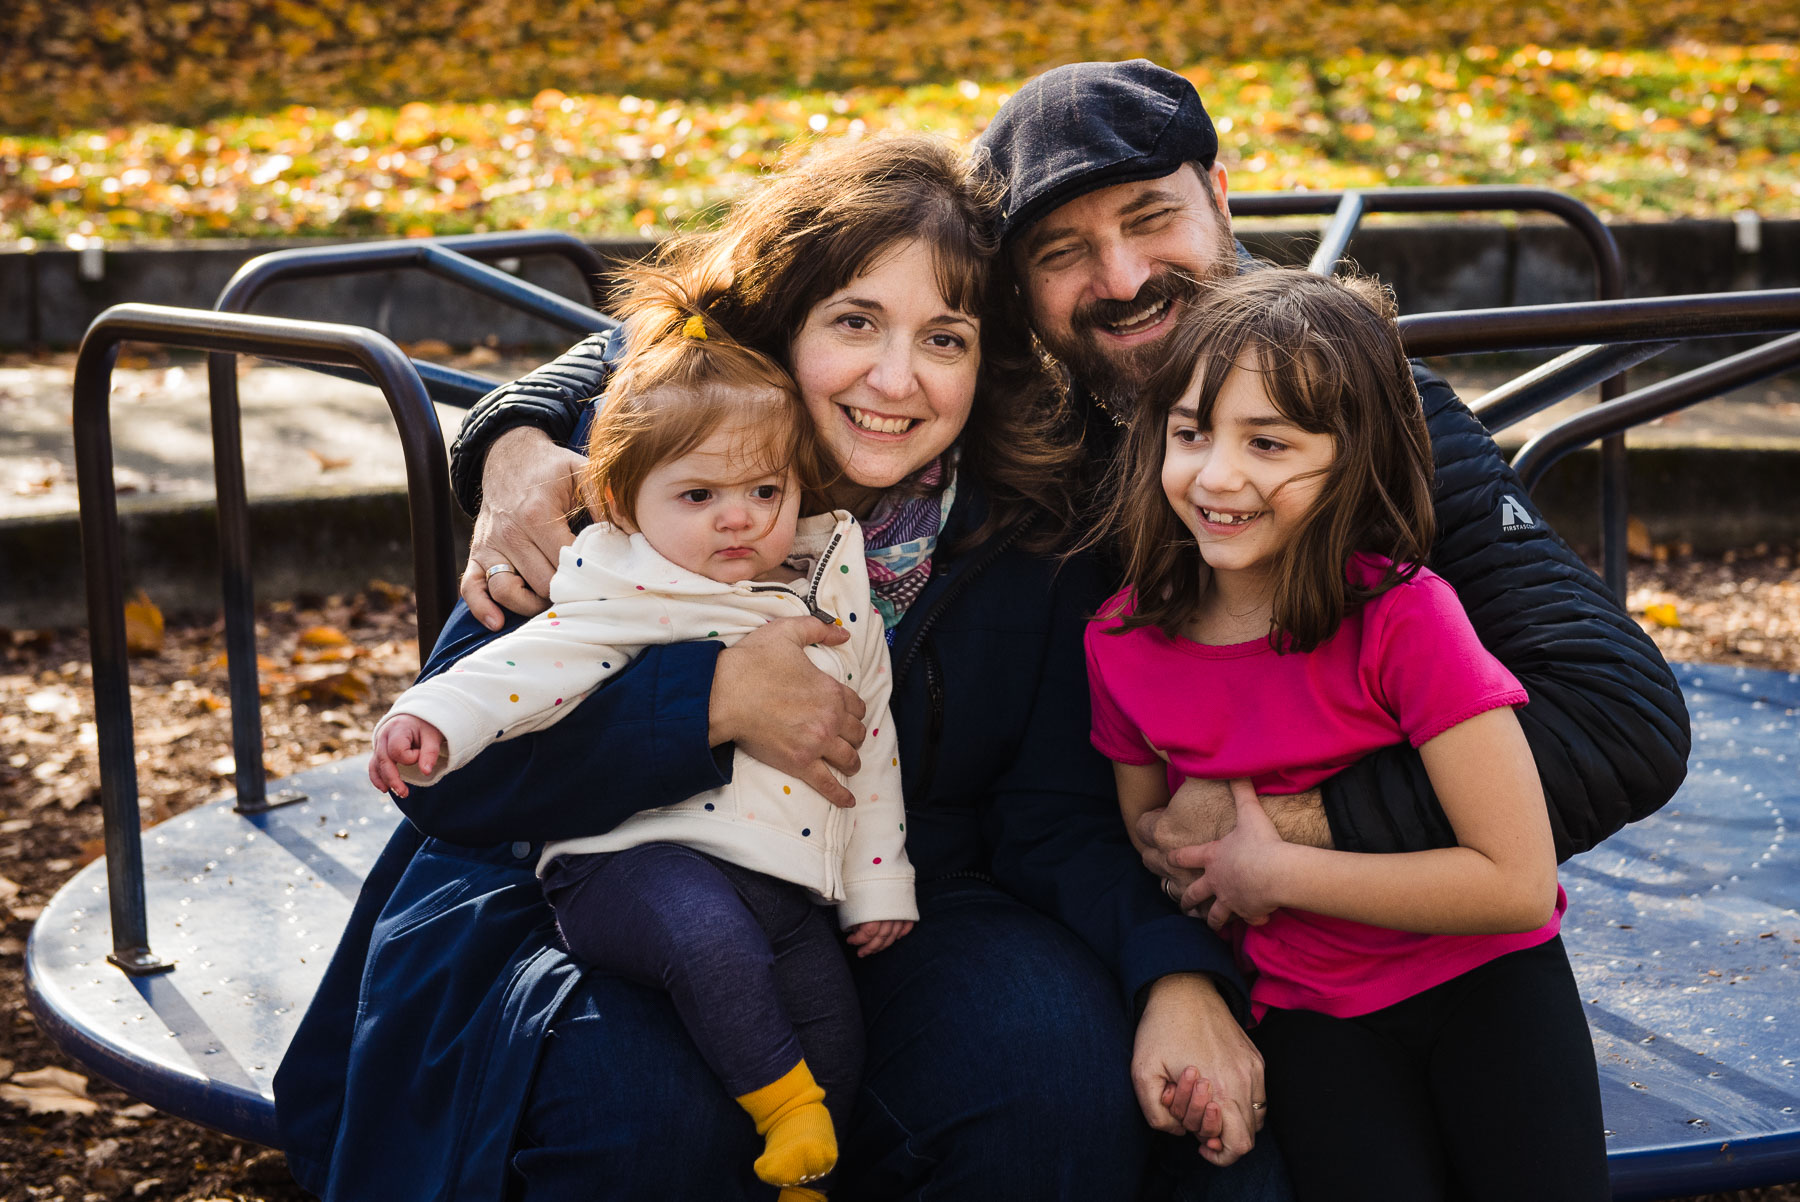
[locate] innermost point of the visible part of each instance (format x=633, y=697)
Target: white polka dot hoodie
x=613, y=595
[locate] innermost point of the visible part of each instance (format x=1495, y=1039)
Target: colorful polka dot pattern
x=553, y=618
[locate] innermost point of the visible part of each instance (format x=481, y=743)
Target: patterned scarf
x=899, y=539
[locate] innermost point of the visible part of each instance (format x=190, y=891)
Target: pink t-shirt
x=1406, y=667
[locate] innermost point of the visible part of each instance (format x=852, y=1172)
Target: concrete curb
x=1714, y=498
x=50, y=300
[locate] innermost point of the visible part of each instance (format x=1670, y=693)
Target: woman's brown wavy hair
x=1329, y=356
x=813, y=226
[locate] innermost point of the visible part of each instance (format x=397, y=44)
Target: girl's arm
x=878, y=875
x=1500, y=877
x=1142, y=788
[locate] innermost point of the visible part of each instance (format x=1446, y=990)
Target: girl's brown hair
x=812, y=227
x=1328, y=354
x=683, y=377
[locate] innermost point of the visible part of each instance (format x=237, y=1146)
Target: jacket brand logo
x=1514, y=515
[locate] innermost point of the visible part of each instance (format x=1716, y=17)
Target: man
x=1113, y=220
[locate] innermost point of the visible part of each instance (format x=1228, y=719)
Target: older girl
x=1276, y=626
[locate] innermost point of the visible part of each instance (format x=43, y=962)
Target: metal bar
x=1337, y=234
x=236, y=587
x=428, y=489
x=526, y=297
x=1558, y=380
x=445, y=257
x=1701, y=384
x=102, y=552
x=447, y=385
x=311, y=262
x=1652, y=319
x=1570, y=211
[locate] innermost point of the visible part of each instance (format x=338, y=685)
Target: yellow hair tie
x=694, y=328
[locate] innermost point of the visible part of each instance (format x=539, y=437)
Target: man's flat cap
x=1090, y=125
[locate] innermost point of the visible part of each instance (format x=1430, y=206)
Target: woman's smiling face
x=887, y=370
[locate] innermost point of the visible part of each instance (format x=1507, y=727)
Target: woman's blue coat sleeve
x=1059, y=842
x=639, y=742
x=1606, y=722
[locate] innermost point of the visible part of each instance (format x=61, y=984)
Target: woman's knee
x=623, y=1106
x=998, y=1059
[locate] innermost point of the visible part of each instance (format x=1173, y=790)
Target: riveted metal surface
x=249, y=909
x=1685, y=941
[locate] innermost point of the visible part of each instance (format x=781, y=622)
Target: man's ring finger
x=499, y=569
x=1169, y=889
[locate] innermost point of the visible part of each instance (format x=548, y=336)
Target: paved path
x=302, y=431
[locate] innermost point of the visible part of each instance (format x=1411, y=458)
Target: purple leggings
x=753, y=966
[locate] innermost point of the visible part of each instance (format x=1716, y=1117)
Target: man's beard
x=1115, y=375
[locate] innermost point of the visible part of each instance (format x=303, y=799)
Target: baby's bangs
x=771, y=422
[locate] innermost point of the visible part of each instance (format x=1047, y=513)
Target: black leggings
x=1481, y=1088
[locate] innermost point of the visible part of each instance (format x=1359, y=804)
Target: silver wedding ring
x=499, y=568
x=1259, y=1105
x=1170, y=891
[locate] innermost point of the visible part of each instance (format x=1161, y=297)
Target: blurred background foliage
x=182, y=118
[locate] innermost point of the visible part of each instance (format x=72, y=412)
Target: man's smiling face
x=1107, y=274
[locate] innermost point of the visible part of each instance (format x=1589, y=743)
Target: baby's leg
x=813, y=978
x=1513, y=1075
x=1349, y=1107
x=666, y=916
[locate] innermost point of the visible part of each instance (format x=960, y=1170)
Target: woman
x=997, y=1041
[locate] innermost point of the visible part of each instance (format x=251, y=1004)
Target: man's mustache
x=1164, y=286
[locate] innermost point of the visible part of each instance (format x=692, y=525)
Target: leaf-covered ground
x=1693, y=130
x=330, y=667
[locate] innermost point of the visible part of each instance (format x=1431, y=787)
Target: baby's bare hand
x=871, y=937
x=403, y=740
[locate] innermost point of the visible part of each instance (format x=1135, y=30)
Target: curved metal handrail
x=1653, y=322
x=1650, y=319
x=428, y=489
x=1646, y=404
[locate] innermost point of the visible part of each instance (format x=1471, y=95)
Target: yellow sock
x=800, y=1144
x=799, y=1193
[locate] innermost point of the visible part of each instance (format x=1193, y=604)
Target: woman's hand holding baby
x=871, y=937
x=403, y=739
x=778, y=707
